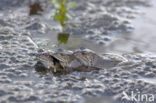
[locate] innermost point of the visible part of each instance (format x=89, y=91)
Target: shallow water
x=142, y=39
x=132, y=39
x=125, y=27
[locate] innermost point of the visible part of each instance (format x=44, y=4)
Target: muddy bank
x=95, y=25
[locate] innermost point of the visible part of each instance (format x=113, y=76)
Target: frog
x=83, y=59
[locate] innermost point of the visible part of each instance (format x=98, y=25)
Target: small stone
x=23, y=75
x=106, y=39
x=149, y=63
x=149, y=75
x=147, y=69
x=101, y=42
x=32, y=98
x=2, y=93
x=3, y=66
x=141, y=72
x=12, y=99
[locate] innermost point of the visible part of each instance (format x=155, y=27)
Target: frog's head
x=50, y=62
x=45, y=57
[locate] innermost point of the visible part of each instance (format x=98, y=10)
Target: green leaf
x=63, y=37
x=71, y=4
x=57, y=3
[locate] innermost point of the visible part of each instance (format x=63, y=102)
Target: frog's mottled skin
x=79, y=60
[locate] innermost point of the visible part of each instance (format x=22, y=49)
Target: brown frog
x=78, y=60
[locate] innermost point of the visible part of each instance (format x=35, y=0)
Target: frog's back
x=92, y=59
x=83, y=59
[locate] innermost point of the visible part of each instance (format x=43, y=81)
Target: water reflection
x=63, y=37
x=61, y=15
x=35, y=9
